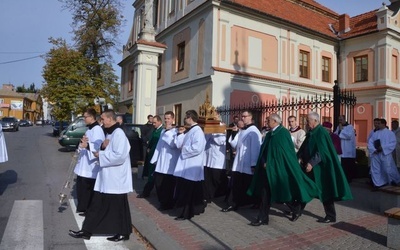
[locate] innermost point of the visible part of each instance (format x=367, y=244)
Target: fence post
x=336, y=104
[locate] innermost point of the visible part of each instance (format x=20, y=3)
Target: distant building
x=20, y=105
x=243, y=51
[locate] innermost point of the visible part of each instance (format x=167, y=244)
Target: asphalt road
x=30, y=182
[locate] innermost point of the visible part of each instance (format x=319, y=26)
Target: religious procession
x=192, y=164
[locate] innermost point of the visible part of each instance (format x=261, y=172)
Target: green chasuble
x=328, y=173
x=286, y=179
x=149, y=168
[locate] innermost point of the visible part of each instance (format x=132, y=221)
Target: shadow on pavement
x=361, y=232
x=7, y=178
x=66, y=150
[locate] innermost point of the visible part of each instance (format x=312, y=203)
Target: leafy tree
x=67, y=79
x=31, y=89
x=96, y=26
x=76, y=75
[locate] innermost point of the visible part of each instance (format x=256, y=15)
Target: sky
x=26, y=25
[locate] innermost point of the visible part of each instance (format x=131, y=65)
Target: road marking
x=96, y=242
x=24, y=228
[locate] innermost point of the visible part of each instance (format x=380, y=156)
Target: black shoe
x=80, y=234
x=295, y=217
x=142, y=196
x=82, y=214
x=288, y=213
x=118, y=237
x=230, y=208
x=180, y=218
x=258, y=223
x=326, y=220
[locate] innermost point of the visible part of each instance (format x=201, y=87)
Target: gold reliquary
x=209, y=119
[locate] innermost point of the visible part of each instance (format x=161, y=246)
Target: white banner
x=16, y=105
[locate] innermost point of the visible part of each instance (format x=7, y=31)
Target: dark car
x=59, y=126
x=134, y=137
x=10, y=123
x=72, y=135
x=25, y=123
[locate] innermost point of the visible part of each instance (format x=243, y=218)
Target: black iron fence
x=328, y=106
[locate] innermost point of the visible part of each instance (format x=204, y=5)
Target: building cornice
x=305, y=85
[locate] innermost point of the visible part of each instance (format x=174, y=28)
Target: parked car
x=24, y=123
x=39, y=122
x=71, y=136
x=59, y=126
x=135, y=140
x=10, y=123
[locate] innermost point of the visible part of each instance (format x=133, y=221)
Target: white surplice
x=115, y=174
x=215, y=151
x=88, y=165
x=191, y=159
x=383, y=168
x=3, y=147
x=166, y=153
x=247, y=144
x=347, y=141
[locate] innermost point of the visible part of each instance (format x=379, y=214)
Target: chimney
x=344, y=23
x=8, y=86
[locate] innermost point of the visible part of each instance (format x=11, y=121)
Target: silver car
x=10, y=123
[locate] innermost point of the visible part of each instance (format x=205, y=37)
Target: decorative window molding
x=361, y=68
x=326, y=69
x=304, y=64
x=180, y=59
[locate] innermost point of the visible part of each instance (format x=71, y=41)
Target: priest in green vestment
x=278, y=176
x=319, y=160
x=150, y=168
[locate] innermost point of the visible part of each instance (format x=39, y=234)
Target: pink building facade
x=242, y=51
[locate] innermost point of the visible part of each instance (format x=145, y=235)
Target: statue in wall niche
x=148, y=10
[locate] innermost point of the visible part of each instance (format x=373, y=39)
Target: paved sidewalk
x=359, y=225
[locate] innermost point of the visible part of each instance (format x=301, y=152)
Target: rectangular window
x=159, y=67
x=326, y=69
x=130, y=83
x=304, y=64
x=178, y=114
x=361, y=69
x=180, y=62
x=1, y=113
x=1, y=100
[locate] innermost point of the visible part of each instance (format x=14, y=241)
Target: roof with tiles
x=361, y=24
x=31, y=96
x=10, y=93
x=311, y=15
